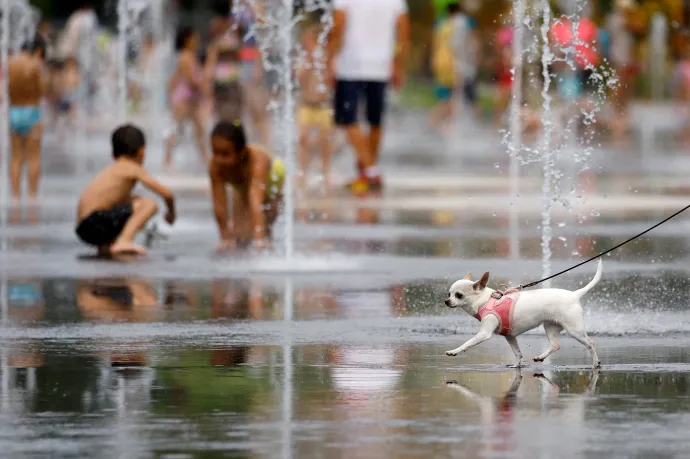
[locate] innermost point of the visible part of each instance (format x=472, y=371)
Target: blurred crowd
x=460, y=65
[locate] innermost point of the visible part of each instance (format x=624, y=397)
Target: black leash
x=532, y=284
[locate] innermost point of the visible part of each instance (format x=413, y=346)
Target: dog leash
x=532, y=284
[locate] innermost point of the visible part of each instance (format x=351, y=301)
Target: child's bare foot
x=125, y=248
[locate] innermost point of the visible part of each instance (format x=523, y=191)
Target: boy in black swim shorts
x=109, y=215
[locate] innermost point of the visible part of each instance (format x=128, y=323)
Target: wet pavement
x=339, y=352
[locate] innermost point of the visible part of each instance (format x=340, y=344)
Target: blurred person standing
x=368, y=48
x=79, y=40
x=252, y=76
x=453, y=64
x=621, y=56
x=26, y=88
x=224, y=69
x=315, y=113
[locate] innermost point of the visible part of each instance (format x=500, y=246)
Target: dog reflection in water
x=499, y=418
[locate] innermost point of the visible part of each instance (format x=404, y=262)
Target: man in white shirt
x=368, y=48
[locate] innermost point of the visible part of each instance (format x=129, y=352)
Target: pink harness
x=501, y=305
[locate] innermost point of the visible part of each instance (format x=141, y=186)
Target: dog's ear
x=481, y=283
x=468, y=276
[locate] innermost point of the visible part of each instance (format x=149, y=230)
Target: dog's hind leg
x=516, y=350
x=578, y=333
x=552, y=331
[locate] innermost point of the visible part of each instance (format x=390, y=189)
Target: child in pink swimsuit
x=187, y=89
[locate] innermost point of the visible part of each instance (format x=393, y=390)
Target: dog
x=556, y=309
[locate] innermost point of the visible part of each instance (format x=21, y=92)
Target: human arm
x=219, y=194
x=260, y=166
x=402, y=32
x=211, y=61
x=335, y=37
x=161, y=190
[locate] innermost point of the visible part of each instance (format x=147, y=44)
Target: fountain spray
x=516, y=126
x=4, y=159
x=4, y=126
x=275, y=27
x=547, y=153
x=122, y=29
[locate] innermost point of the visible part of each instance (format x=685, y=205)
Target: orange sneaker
x=358, y=186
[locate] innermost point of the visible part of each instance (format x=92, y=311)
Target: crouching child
x=109, y=216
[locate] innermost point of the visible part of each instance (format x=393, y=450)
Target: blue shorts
x=23, y=119
x=347, y=96
x=444, y=92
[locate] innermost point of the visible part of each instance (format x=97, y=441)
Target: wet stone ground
x=339, y=352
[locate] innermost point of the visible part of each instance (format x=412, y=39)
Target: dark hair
x=127, y=140
x=231, y=131
x=221, y=7
x=453, y=8
x=37, y=44
x=182, y=36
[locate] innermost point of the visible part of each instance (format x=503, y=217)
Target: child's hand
x=170, y=217
x=262, y=244
x=226, y=245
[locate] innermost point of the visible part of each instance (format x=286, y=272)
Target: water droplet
x=562, y=238
x=496, y=165
x=561, y=225
x=595, y=213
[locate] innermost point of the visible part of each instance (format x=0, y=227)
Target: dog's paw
x=451, y=353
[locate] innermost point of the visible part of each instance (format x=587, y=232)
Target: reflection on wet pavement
x=393, y=401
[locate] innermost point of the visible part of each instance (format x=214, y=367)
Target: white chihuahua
x=513, y=313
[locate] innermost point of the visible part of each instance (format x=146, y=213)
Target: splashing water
x=547, y=153
x=560, y=125
x=275, y=33
x=137, y=20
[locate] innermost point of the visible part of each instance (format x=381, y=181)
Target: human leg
x=304, y=150
x=326, y=147
x=347, y=95
x=376, y=107
x=16, y=164
x=198, y=121
x=142, y=209
x=33, y=158
x=180, y=111
x=241, y=227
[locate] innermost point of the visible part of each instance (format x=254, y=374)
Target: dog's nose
x=447, y=302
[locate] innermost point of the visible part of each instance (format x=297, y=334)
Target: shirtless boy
x=109, y=215
x=257, y=179
x=27, y=85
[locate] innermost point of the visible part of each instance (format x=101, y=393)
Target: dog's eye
x=458, y=296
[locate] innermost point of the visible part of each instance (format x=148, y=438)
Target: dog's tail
x=597, y=277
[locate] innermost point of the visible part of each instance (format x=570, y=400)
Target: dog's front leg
x=487, y=328
x=516, y=350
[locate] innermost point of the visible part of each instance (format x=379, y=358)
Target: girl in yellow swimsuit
x=257, y=180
